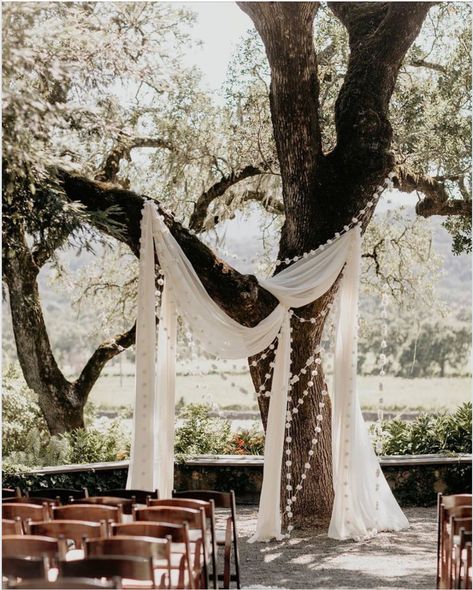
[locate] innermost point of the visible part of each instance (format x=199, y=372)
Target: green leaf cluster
x=200, y=433
x=442, y=433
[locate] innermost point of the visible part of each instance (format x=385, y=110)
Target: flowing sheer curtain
x=152, y=460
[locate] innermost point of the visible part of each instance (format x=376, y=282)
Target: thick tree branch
x=111, y=166
x=218, y=189
x=238, y=295
x=380, y=35
x=105, y=352
x=436, y=200
x=422, y=63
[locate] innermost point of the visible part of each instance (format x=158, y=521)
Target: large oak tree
x=321, y=192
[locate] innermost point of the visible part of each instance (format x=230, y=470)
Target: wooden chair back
x=229, y=540
x=66, y=583
x=133, y=568
x=178, y=515
x=88, y=512
x=209, y=511
x=449, y=502
x=179, y=533
x=29, y=500
x=34, y=512
x=184, y=503
x=33, y=546
x=12, y=527
x=139, y=496
x=76, y=530
x=63, y=494
x=139, y=546
x=172, y=515
x=461, y=571
x=24, y=568
x=220, y=499
x=126, y=504
x=446, y=506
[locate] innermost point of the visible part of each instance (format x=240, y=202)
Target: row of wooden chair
x=454, y=526
x=66, y=495
x=93, y=517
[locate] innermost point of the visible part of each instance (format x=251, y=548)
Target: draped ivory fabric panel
x=363, y=502
x=295, y=286
x=143, y=470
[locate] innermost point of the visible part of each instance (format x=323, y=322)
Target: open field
x=435, y=393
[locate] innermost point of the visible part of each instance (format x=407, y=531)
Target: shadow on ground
x=405, y=559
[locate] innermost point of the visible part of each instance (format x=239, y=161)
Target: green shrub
x=201, y=434
x=444, y=433
x=23, y=424
x=26, y=441
x=106, y=441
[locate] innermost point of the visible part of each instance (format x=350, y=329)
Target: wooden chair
x=75, y=530
x=34, y=546
x=193, y=504
x=33, y=512
x=226, y=537
x=14, y=568
x=132, y=568
x=139, y=496
x=457, y=522
x=445, y=505
x=62, y=494
x=38, y=501
x=178, y=515
x=159, y=550
x=461, y=570
x=126, y=504
x=29, y=500
x=88, y=512
x=12, y=527
x=179, y=535
x=66, y=583
x=457, y=516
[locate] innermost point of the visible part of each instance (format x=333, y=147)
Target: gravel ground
x=405, y=559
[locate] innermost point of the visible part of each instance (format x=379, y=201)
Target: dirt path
x=404, y=560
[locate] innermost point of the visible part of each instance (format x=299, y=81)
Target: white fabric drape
x=295, y=286
x=363, y=502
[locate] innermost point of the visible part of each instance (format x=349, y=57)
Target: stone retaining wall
x=415, y=480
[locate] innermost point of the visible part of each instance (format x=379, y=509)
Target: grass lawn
x=435, y=393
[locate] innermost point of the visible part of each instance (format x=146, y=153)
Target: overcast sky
x=220, y=26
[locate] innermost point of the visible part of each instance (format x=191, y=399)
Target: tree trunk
x=314, y=501
x=61, y=407
x=61, y=401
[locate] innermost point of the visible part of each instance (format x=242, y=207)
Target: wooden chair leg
x=227, y=556
x=439, y=524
